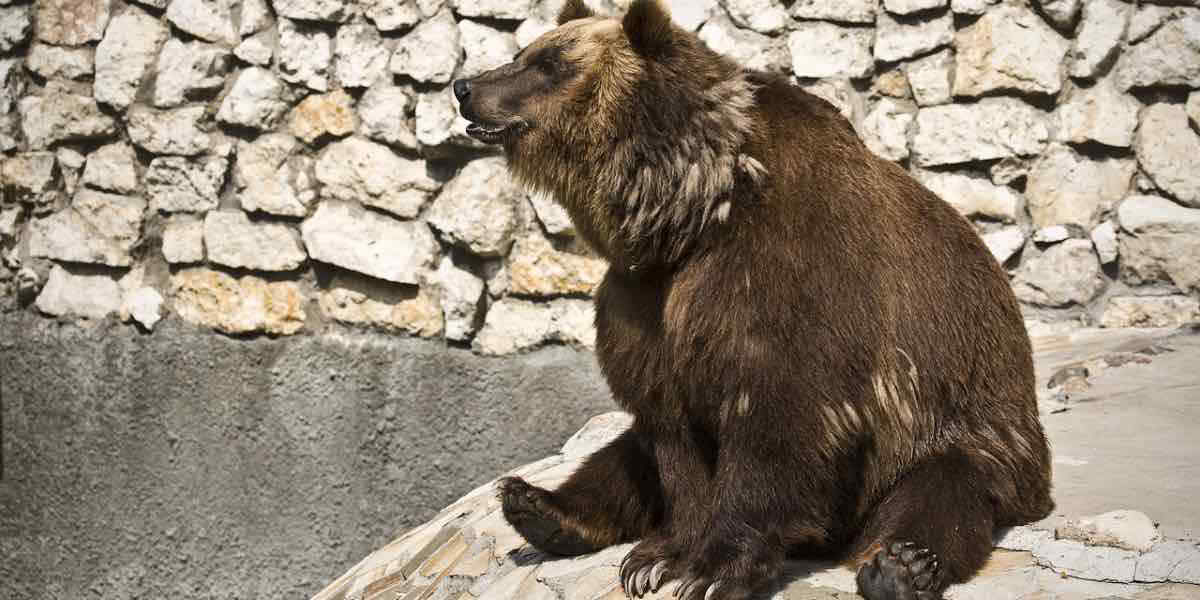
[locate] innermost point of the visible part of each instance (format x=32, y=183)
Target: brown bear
x=821, y=356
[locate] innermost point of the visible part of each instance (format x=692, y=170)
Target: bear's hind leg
x=614, y=497
x=934, y=528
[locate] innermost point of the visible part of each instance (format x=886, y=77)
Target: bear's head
x=631, y=123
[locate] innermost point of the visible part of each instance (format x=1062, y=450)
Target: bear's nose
x=462, y=90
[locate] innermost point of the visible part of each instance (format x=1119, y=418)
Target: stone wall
x=290, y=166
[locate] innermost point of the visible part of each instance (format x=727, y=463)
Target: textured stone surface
x=440, y=129
x=494, y=9
x=124, y=56
x=305, y=54
x=143, y=305
x=70, y=295
x=551, y=214
x=112, y=167
x=361, y=56
x=254, y=100
x=1150, y=311
x=536, y=268
x=763, y=16
x=1171, y=560
x=484, y=48
x=32, y=178
x=272, y=178
x=897, y=40
x=185, y=70
x=390, y=15
x=461, y=292
x=1009, y=48
x=16, y=22
x=1167, y=149
x=477, y=209
x=364, y=171
x=315, y=10
x=1126, y=529
x=1065, y=188
x=61, y=116
x=61, y=62
x=321, y=115
x=904, y=7
x=1061, y=12
x=176, y=184
x=513, y=325
x=233, y=240
x=429, y=52
x=1169, y=56
x=351, y=237
x=237, y=305
x=846, y=11
x=1100, y=31
x=1003, y=243
x=183, y=240
x=990, y=128
x=1077, y=560
x=885, y=129
x=209, y=20
x=1100, y=113
x=1164, y=242
x=1104, y=238
x=97, y=228
x=931, y=78
x=1065, y=273
x=257, y=49
x=1193, y=108
x=385, y=113
x=171, y=131
x=749, y=48
x=364, y=301
x=71, y=22
x=822, y=49
x=974, y=196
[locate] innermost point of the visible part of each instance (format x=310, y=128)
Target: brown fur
x=822, y=357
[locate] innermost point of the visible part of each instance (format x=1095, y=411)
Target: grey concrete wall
x=191, y=465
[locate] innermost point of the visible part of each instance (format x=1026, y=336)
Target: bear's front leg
x=614, y=497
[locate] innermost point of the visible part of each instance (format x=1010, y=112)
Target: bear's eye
x=547, y=63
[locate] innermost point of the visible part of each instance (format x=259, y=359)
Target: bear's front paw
x=532, y=512
x=901, y=571
x=648, y=566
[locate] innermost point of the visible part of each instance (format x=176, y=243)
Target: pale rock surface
x=233, y=240
x=1172, y=560
x=237, y=305
x=10, y=222
x=1066, y=273
x=1149, y=311
x=1169, y=56
x=177, y=184
x=1009, y=48
x=143, y=305
x=360, y=300
x=390, y=15
x=536, y=268
x=892, y=83
x=440, y=128
x=170, y=131
x=842, y=95
x=97, y=228
x=257, y=49
x=361, y=57
x=1104, y=238
x=1052, y=234
x=1061, y=12
x=494, y=9
x=52, y=62
x=385, y=112
x=429, y=52
x=305, y=54
x=763, y=16
x=70, y=295
x=1066, y=188
x=16, y=22
x=885, y=129
x=320, y=115
x=334, y=11
x=513, y=325
x=530, y=30
x=1078, y=560
x=1008, y=170
x=209, y=20
x=1168, y=149
x=352, y=237
x=974, y=196
x=59, y=115
x=1193, y=108
x=1003, y=243
x=897, y=40
x=1100, y=113
x=485, y=48
x=691, y=14
x=822, y=49
x=71, y=22
x=187, y=68
x=904, y=7
x=931, y=78
x=70, y=166
x=255, y=17
x=112, y=167
x=1164, y=242
x=990, y=128
x=272, y=178
x=478, y=208
x=363, y=171
x=124, y=56
x=254, y=100
x=971, y=7
x=552, y=215
x=32, y=178
x=1099, y=36
x=461, y=292
x=1146, y=19
x=183, y=240
x=844, y=11
x=748, y=48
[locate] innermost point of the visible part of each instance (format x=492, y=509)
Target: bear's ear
x=648, y=26
x=574, y=9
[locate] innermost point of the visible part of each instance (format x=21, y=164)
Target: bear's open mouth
x=488, y=133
